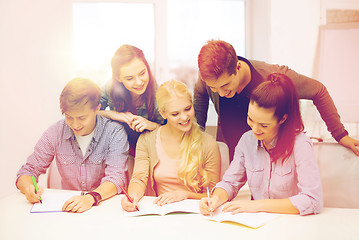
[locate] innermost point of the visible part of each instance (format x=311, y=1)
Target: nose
x=184, y=117
x=222, y=92
x=75, y=124
x=138, y=81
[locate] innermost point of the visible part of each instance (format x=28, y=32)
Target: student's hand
x=170, y=197
x=78, y=204
x=350, y=143
x=26, y=186
x=204, y=205
x=128, y=206
x=238, y=206
x=140, y=124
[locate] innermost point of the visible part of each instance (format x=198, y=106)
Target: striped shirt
x=104, y=160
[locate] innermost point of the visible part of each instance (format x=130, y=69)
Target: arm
x=37, y=163
x=115, y=168
x=139, y=179
x=200, y=102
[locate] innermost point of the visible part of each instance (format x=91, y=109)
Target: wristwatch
x=96, y=196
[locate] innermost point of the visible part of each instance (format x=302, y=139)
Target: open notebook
x=149, y=208
x=253, y=220
x=52, y=201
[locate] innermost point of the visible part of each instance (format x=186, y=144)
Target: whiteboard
x=338, y=67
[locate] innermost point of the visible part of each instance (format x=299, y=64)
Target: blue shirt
x=104, y=160
x=297, y=178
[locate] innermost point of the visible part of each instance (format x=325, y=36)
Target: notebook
x=149, y=208
x=253, y=220
x=52, y=201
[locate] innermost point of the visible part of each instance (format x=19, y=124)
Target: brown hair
x=77, y=93
x=280, y=93
x=120, y=96
x=215, y=58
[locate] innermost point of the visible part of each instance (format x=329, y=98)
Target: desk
x=107, y=222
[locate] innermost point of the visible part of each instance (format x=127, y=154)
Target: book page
x=52, y=201
x=253, y=220
x=149, y=208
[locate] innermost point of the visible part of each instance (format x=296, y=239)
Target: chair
x=53, y=176
x=339, y=172
x=224, y=151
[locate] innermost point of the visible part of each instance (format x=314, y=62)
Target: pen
x=209, y=201
x=36, y=189
x=128, y=196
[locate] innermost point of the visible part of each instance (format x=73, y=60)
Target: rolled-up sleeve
x=309, y=200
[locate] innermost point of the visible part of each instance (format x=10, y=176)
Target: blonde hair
x=191, y=170
x=77, y=93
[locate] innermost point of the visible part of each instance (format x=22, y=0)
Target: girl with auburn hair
x=131, y=94
x=275, y=157
x=176, y=161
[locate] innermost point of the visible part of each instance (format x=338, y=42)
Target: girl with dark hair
x=275, y=157
x=131, y=94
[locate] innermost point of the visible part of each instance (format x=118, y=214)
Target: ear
x=238, y=65
x=284, y=118
x=98, y=108
x=162, y=113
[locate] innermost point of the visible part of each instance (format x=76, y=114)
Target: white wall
x=35, y=39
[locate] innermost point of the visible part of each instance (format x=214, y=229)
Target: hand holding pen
x=123, y=202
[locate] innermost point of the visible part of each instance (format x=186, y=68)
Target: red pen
x=128, y=196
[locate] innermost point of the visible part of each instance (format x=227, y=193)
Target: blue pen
x=209, y=201
x=36, y=189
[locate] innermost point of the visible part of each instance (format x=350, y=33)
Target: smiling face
x=228, y=85
x=134, y=76
x=82, y=120
x=179, y=113
x=263, y=122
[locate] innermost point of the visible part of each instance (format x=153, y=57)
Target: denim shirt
x=297, y=178
x=104, y=160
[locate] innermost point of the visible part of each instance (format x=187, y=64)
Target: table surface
x=107, y=221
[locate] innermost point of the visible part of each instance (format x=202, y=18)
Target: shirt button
x=83, y=182
x=82, y=164
x=252, y=169
x=99, y=161
x=65, y=163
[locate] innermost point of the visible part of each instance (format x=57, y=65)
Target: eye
x=82, y=118
x=128, y=78
x=188, y=108
x=174, y=114
x=142, y=73
x=264, y=126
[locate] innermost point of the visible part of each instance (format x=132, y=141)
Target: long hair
x=191, y=170
x=120, y=96
x=280, y=93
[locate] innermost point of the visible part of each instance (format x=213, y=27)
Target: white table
x=106, y=221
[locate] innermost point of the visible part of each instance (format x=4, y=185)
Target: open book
x=253, y=220
x=52, y=201
x=149, y=208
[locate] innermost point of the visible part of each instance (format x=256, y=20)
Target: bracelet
x=96, y=196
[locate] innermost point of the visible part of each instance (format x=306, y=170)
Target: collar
x=273, y=143
x=68, y=133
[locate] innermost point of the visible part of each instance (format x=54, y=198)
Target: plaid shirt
x=104, y=160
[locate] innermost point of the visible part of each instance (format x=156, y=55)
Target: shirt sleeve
x=212, y=161
x=310, y=197
x=200, y=102
x=235, y=176
x=314, y=90
x=44, y=153
x=116, y=159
